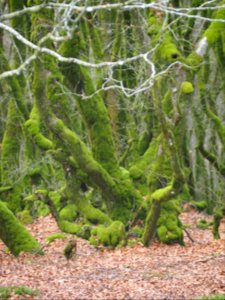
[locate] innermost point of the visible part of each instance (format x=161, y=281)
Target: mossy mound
x=169, y=229
x=114, y=235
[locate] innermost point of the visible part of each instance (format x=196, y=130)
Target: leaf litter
x=133, y=272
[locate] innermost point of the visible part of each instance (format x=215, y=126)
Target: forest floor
x=133, y=272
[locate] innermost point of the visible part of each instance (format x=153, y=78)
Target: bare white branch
x=19, y=13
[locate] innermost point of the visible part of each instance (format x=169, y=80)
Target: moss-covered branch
x=33, y=127
x=157, y=198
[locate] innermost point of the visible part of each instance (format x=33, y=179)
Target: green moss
x=194, y=60
x=14, y=85
x=212, y=297
x=42, y=209
x=5, y=188
x=160, y=172
x=199, y=205
x=33, y=126
x=55, y=236
x=136, y=232
x=30, y=198
x=169, y=227
x=154, y=26
x=43, y=142
x=69, y=227
x=217, y=217
x=186, y=87
x=213, y=33
x=113, y=235
x=14, y=234
x=5, y=292
x=92, y=214
x=68, y=213
x=145, y=161
x=136, y=172
x=203, y=224
x=196, y=3
x=85, y=231
x=10, y=148
x=25, y=217
x=168, y=51
x=162, y=194
x=167, y=104
x=170, y=234
x=55, y=196
x=219, y=126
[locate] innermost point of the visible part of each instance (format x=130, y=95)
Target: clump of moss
x=55, y=196
x=136, y=232
x=85, y=232
x=5, y=292
x=25, y=217
x=168, y=51
x=199, y=205
x=68, y=213
x=136, y=172
x=194, y=60
x=55, y=236
x=114, y=235
x=186, y=87
x=69, y=227
x=169, y=227
x=203, y=224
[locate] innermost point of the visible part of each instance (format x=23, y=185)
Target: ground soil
x=133, y=272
